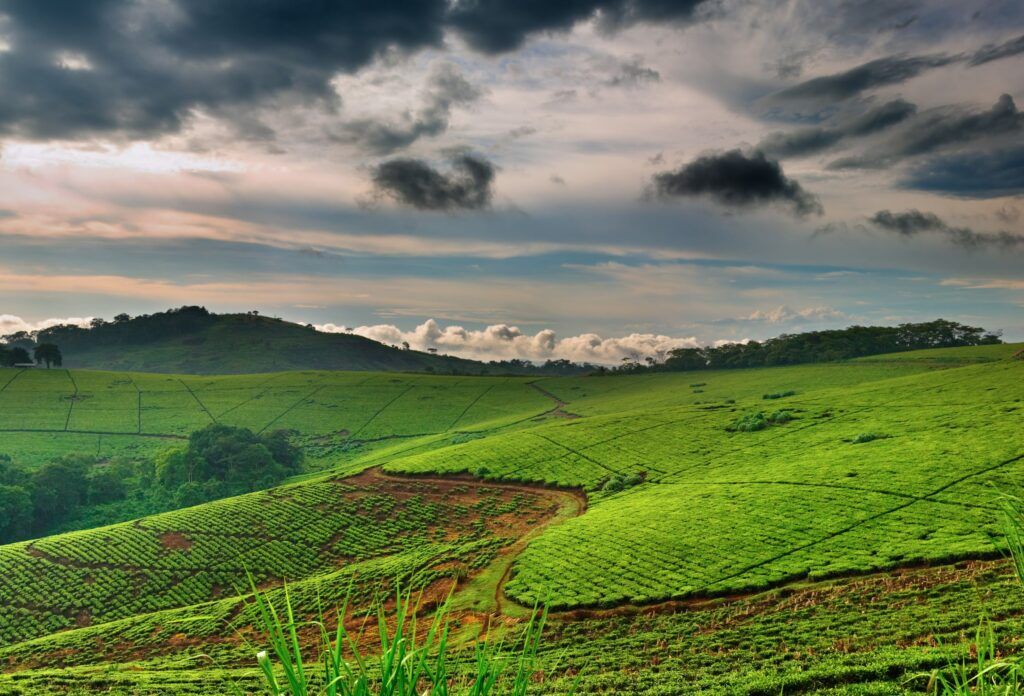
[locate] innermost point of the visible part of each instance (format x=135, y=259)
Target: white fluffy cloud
x=10, y=323
x=501, y=341
x=783, y=314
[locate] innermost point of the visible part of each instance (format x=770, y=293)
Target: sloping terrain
x=884, y=463
x=193, y=341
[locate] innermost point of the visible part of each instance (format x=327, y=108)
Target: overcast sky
x=505, y=178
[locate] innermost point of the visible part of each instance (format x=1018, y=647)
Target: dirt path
x=484, y=591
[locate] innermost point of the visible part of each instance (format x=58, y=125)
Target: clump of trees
x=13, y=355
x=222, y=460
x=77, y=491
x=36, y=502
x=48, y=353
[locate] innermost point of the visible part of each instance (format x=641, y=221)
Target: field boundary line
x=17, y=374
x=165, y=436
x=243, y=402
x=872, y=518
x=201, y=404
x=834, y=486
x=380, y=411
x=288, y=410
x=138, y=391
x=74, y=397
x=576, y=452
x=471, y=405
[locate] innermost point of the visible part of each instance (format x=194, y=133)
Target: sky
x=589, y=180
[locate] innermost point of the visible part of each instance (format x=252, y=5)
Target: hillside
x=191, y=340
x=830, y=528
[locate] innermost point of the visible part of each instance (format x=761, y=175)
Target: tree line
x=81, y=491
x=819, y=346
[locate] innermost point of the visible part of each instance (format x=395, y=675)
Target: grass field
x=846, y=541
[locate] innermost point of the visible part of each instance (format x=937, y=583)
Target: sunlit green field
x=878, y=465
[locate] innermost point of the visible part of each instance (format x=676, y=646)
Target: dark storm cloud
x=145, y=66
x=912, y=223
x=851, y=83
x=736, y=180
x=447, y=89
x=941, y=128
x=807, y=141
x=495, y=26
x=881, y=72
x=140, y=68
x=633, y=73
x=414, y=182
x=984, y=174
x=1007, y=49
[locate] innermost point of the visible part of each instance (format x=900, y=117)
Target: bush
x=620, y=482
x=753, y=422
x=749, y=423
x=779, y=395
x=868, y=437
x=780, y=417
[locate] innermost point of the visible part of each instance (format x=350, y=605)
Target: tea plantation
x=833, y=528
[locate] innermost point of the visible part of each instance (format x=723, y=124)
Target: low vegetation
x=805, y=564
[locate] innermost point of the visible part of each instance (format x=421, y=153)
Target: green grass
x=885, y=463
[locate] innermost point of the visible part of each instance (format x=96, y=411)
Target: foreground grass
x=410, y=661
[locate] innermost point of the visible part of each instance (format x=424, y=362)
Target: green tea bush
x=779, y=395
x=620, y=482
x=749, y=423
x=868, y=437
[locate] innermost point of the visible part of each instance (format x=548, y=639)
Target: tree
x=59, y=488
x=10, y=475
x=15, y=513
x=48, y=353
x=105, y=485
x=20, y=356
x=405, y=345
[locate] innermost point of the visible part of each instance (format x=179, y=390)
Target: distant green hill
x=191, y=340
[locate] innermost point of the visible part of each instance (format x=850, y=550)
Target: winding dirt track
x=568, y=503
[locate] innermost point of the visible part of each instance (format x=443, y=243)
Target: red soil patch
x=175, y=541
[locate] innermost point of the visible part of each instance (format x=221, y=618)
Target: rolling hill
x=191, y=340
x=830, y=528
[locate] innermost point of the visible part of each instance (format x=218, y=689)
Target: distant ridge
x=192, y=340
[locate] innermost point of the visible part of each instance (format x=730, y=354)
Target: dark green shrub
x=868, y=437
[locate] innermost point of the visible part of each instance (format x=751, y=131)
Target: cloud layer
x=135, y=69
x=501, y=341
